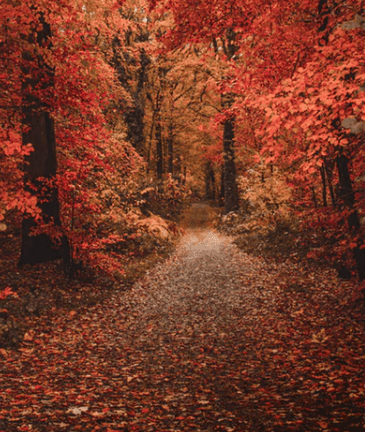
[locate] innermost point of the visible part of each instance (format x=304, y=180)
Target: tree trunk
x=221, y=194
x=41, y=165
x=134, y=111
x=324, y=186
x=170, y=149
x=346, y=195
x=314, y=197
x=230, y=185
x=346, y=192
x=212, y=180
x=329, y=173
x=210, y=184
x=159, y=147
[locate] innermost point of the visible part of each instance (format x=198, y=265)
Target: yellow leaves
x=29, y=336
x=269, y=199
x=155, y=225
x=319, y=337
x=4, y=353
x=148, y=189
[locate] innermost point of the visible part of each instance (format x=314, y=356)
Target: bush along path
x=211, y=340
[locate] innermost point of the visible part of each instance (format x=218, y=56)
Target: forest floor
x=212, y=339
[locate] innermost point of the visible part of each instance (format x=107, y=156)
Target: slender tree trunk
x=324, y=186
x=158, y=135
x=171, y=156
x=329, y=174
x=221, y=194
x=159, y=147
x=135, y=118
x=230, y=184
x=346, y=191
x=134, y=111
x=347, y=197
x=41, y=165
x=314, y=198
x=212, y=180
x=170, y=149
x=210, y=186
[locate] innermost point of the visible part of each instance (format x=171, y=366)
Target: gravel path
x=187, y=325
x=210, y=340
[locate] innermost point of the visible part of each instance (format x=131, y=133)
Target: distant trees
x=298, y=103
x=150, y=102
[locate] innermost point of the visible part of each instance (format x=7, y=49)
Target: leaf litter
x=212, y=339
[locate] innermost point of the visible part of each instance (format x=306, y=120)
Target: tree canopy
x=144, y=101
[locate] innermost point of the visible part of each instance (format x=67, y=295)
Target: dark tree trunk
x=329, y=173
x=346, y=192
x=134, y=116
x=324, y=186
x=229, y=191
x=38, y=130
x=230, y=184
x=212, y=180
x=159, y=147
x=314, y=197
x=346, y=196
x=170, y=149
x=134, y=110
x=221, y=194
x=210, y=186
x=153, y=125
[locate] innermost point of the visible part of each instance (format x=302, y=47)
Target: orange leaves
x=13, y=144
x=7, y=292
x=11, y=155
x=302, y=107
x=22, y=201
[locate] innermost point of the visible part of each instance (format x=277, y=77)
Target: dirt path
x=212, y=340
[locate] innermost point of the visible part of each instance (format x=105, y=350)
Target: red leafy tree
x=59, y=118
x=298, y=100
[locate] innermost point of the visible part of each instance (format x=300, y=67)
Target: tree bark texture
x=230, y=184
x=221, y=191
x=346, y=196
x=159, y=146
x=38, y=130
x=210, y=183
x=133, y=112
x=170, y=149
x=134, y=116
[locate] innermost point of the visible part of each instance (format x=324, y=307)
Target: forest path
x=211, y=340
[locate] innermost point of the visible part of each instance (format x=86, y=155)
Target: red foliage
x=300, y=102
x=80, y=94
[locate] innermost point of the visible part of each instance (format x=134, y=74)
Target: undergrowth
x=42, y=288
